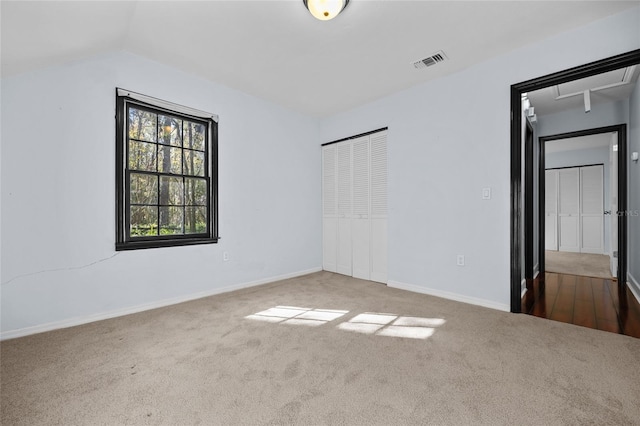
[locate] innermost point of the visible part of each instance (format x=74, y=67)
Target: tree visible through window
x=166, y=190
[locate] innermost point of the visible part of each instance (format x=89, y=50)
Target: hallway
x=589, y=302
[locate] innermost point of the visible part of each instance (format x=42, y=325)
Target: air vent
x=431, y=60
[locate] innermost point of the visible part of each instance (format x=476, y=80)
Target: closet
x=574, y=204
x=354, y=204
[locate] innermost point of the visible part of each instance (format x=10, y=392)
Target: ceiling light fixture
x=325, y=9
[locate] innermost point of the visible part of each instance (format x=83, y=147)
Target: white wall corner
x=451, y=296
x=72, y=322
x=634, y=286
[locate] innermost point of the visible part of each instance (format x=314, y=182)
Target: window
x=166, y=168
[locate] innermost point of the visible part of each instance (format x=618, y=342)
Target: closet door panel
x=592, y=209
x=361, y=249
x=329, y=209
x=345, y=208
x=361, y=200
x=379, y=265
x=344, y=258
x=569, y=210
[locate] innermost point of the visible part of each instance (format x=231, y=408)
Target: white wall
x=601, y=115
x=448, y=139
x=58, y=208
x=634, y=192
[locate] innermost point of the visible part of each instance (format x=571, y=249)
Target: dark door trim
x=587, y=70
x=622, y=190
x=528, y=202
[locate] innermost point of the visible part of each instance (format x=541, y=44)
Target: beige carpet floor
x=329, y=356
x=583, y=264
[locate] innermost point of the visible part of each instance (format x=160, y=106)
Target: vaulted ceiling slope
x=277, y=51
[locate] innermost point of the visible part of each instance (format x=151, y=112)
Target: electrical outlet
x=460, y=260
x=225, y=256
x=486, y=193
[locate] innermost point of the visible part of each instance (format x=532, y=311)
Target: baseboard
x=71, y=322
x=451, y=296
x=523, y=292
x=634, y=286
x=536, y=271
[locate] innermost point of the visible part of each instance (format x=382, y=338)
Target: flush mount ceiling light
x=325, y=9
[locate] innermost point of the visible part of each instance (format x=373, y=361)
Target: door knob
x=607, y=212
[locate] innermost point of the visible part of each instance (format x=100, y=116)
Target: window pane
x=196, y=192
x=193, y=163
x=171, y=220
x=195, y=220
x=171, y=191
x=170, y=130
x=142, y=156
x=142, y=125
x=144, y=221
x=144, y=189
x=194, y=135
x=169, y=160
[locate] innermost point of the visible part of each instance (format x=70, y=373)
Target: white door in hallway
x=569, y=209
x=592, y=209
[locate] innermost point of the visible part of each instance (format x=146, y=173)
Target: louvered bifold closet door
x=378, y=173
x=345, y=209
x=569, y=210
x=329, y=208
x=592, y=209
x=361, y=226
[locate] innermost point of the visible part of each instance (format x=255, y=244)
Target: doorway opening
x=578, y=208
x=524, y=240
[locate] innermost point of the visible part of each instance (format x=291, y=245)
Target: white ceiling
x=277, y=51
x=546, y=101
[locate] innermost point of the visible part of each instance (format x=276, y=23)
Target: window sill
x=145, y=244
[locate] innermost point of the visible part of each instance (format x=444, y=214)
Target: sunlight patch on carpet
x=297, y=316
x=380, y=324
x=391, y=325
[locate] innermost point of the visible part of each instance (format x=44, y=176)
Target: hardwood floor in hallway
x=589, y=302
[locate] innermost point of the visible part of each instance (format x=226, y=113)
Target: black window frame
x=124, y=241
